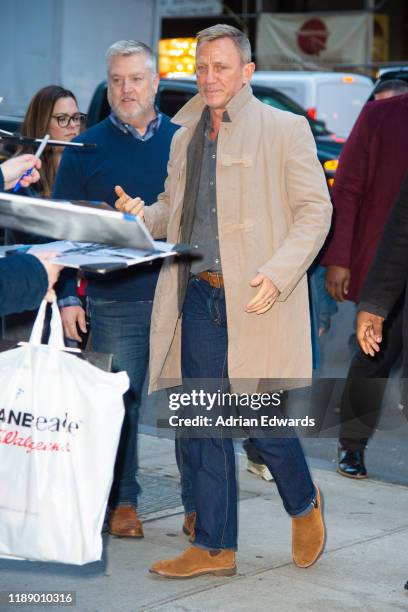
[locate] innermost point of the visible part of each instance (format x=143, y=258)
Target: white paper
x=77, y=254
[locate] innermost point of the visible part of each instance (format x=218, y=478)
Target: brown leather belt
x=214, y=279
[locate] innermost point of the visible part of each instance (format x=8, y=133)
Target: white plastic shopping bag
x=60, y=422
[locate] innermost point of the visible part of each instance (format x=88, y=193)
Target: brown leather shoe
x=189, y=525
x=308, y=535
x=197, y=562
x=124, y=523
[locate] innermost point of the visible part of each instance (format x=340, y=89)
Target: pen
x=37, y=154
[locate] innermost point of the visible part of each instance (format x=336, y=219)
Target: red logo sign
x=312, y=37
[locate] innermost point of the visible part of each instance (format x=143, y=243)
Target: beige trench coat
x=274, y=213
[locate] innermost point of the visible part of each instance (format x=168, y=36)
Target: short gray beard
x=135, y=115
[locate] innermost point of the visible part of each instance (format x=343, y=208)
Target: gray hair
x=131, y=47
x=240, y=39
x=397, y=85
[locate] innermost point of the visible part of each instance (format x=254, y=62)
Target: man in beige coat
x=244, y=185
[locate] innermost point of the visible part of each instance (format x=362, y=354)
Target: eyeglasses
x=64, y=120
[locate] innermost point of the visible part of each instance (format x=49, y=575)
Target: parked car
x=174, y=93
x=10, y=124
x=388, y=74
x=333, y=97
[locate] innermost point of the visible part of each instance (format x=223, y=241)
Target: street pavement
x=364, y=566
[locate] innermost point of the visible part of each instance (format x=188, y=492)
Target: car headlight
x=330, y=166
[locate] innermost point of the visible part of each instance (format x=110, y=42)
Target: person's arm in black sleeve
x=23, y=283
x=388, y=275
x=70, y=185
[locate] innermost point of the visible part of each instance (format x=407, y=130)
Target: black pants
x=366, y=382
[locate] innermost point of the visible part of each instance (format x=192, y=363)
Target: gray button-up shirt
x=205, y=228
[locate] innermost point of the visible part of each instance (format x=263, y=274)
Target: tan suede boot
x=189, y=525
x=197, y=562
x=124, y=523
x=308, y=535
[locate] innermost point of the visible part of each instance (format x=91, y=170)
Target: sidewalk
x=364, y=567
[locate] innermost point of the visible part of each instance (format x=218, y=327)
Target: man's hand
x=73, y=317
x=53, y=270
x=337, y=282
x=15, y=167
x=126, y=204
x=266, y=296
x=369, y=332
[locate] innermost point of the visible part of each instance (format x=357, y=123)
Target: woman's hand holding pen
x=126, y=204
x=15, y=167
x=37, y=154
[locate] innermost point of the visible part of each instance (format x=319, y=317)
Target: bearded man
x=132, y=150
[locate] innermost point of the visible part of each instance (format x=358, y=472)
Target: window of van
x=339, y=104
x=170, y=101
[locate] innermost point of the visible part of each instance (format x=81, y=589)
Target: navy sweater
x=23, y=283
x=140, y=167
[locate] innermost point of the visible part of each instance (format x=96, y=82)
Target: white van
x=333, y=97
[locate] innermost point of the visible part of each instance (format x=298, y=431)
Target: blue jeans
x=208, y=464
x=123, y=328
x=322, y=308
x=186, y=479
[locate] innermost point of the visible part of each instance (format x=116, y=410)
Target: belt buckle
x=215, y=279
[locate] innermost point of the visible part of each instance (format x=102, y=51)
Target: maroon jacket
x=371, y=169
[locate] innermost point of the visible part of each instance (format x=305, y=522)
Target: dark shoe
x=350, y=463
x=124, y=523
x=189, y=525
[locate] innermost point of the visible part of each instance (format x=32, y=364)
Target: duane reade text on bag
x=60, y=422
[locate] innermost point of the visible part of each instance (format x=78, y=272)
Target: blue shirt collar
x=126, y=128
